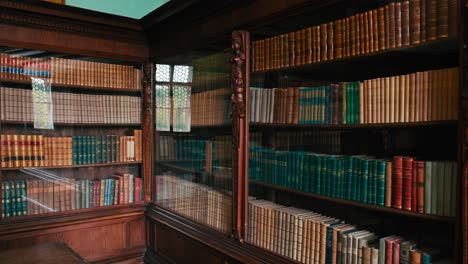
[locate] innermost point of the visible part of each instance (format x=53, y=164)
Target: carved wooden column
x=240, y=130
x=147, y=124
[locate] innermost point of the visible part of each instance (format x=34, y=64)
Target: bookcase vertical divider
x=240, y=130
x=147, y=131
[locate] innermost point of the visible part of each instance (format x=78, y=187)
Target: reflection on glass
x=193, y=170
x=163, y=108
x=41, y=191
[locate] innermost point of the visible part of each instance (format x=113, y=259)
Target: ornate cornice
x=44, y=17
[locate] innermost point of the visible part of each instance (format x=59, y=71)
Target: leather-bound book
x=295, y=117
x=286, y=50
x=412, y=97
x=442, y=18
x=435, y=95
x=422, y=20
x=399, y=20
x=392, y=25
x=415, y=21
x=304, y=45
x=346, y=39
x=389, y=245
x=414, y=188
x=359, y=36
x=281, y=51
x=431, y=19
x=298, y=42
x=323, y=42
x=453, y=18
x=316, y=43
x=368, y=32
x=352, y=35
x=371, y=29
x=381, y=28
x=338, y=39
x=405, y=23
x=330, y=41
x=397, y=182
x=292, y=48
x=396, y=252
x=421, y=185
x=407, y=186
x=387, y=26
x=388, y=184
x=375, y=30
x=267, y=54
x=309, y=45
x=386, y=100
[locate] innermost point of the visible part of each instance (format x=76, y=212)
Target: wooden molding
x=147, y=129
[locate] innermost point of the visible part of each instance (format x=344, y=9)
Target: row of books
x=402, y=183
x=22, y=67
x=30, y=197
x=17, y=105
x=198, y=153
x=70, y=72
x=309, y=237
x=196, y=201
x=398, y=24
x=36, y=150
x=211, y=107
x=416, y=97
x=319, y=141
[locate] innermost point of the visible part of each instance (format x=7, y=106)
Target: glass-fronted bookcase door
x=195, y=158
x=70, y=133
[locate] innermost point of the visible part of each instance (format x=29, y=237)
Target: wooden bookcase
x=431, y=140
x=42, y=31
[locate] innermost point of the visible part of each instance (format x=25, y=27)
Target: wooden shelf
x=371, y=207
x=429, y=55
x=101, y=210
x=78, y=87
x=75, y=124
x=357, y=126
x=75, y=166
x=168, y=165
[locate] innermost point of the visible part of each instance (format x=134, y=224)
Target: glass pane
x=71, y=139
x=193, y=170
x=163, y=73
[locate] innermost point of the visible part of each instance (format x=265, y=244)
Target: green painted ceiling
x=128, y=8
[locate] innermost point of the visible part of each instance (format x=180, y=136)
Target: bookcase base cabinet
x=105, y=239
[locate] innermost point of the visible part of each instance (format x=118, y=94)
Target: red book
x=389, y=249
x=407, y=182
x=396, y=252
x=97, y=193
x=137, y=187
x=414, y=191
x=420, y=186
x=397, y=182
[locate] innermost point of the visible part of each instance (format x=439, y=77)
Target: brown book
x=286, y=50
x=338, y=39
x=435, y=95
x=397, y=182
x=292, y=49
x=299, y=47
x=431, y=19
x=415, y=256
x=387, y=26
x=412, y=102
x=352, y=35
x=405, y=94
x=323, y=42
x=415, y=19
x=381, y=28
x=442, y=18
x=309, y=45
x=296, y=106
x=346, y=37
x=368, y=32
x=267, y=54
x=388, y=184
x=317, y=44
x=392, y=26
x=399, y=20
x=330, y=41
x=359, y=34
x=304, y=50
x=386, y=100
x=453, y=17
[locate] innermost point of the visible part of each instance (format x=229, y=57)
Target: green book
x=447, y=176
x=332, y=188
x=98, y=149
x=8, y=204
x=300, y=171
x=370, y=182
x=428, y=187
x=312, y=173
x=380, y=183
x=320, y=172
x=356, y=103
x=3, y=200
x=93, y=149
x=75, y=150
x=13, y=197
x=364, y=180
x=24, y=201
x=441, y=168
x=109, y=148
x=355, y=182
x=340, y=177
x=348, y=172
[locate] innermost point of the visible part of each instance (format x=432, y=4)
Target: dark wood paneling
x=97, y=239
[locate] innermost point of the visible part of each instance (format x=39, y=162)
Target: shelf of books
x=70, y=133
x=354, y=134
x=193, y=157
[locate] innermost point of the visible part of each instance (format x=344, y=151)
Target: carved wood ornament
x=147, y=130
x=240, y=130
